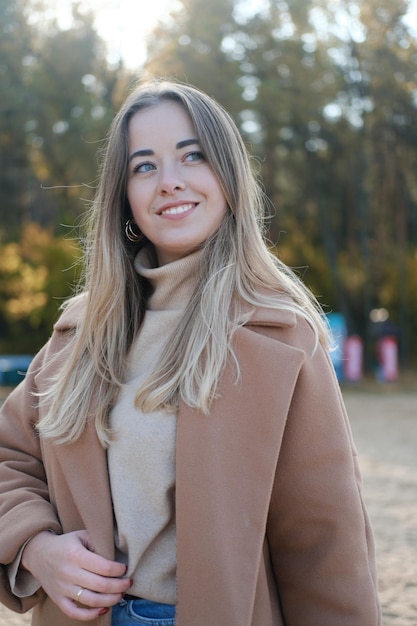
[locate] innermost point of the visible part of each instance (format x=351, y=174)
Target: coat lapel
x=77, y=472
x=225, y=469
x=83, y=465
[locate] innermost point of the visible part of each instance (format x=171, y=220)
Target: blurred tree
x=72, y=104
x=386, y=83
x=58, y=94
x=57, y=98
x=16, y=178
x=376, y=55
x=192, y=46
x=37, y=273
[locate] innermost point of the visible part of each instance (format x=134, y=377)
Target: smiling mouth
x=176, y=210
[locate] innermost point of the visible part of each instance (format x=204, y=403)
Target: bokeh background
x=324, y=92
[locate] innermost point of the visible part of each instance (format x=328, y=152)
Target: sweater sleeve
x=22, y=583
x=319, y=533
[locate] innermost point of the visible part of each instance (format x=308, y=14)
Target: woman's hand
x=66, y=564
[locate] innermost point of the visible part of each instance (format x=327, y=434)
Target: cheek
x=130, y=193
x=136, y=197
x=220, y=194
x=220, y=200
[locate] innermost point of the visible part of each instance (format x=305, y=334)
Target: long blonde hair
x=236, y=269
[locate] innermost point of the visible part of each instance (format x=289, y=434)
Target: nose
x=170, y=181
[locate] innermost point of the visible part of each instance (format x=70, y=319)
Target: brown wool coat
x=271, y=526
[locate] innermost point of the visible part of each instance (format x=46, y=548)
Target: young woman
x=179, y=451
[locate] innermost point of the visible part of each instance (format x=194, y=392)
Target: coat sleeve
x=25, y=507
x=319, y=534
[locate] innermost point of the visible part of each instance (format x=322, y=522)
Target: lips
x=177, y=209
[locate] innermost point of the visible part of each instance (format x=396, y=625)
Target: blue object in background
x=13, y=368
x=338, y=329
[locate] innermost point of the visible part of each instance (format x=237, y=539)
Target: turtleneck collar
x=173, y=283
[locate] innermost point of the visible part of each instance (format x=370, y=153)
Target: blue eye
x=195, y=156
x=143, y=167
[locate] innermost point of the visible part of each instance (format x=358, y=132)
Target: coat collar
x=259, y=316
x=73, y=311
x=279, y=317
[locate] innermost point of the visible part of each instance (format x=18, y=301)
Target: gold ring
x=78, y=596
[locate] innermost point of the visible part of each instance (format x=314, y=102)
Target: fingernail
x=103, y=611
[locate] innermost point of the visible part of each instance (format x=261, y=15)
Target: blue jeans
x=143, y=613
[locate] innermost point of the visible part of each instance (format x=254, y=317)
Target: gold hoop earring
x=133, y=236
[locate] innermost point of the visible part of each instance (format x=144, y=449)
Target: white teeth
x=177, y=209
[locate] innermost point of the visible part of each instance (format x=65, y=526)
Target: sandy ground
x=384, y=423
x=385, y=431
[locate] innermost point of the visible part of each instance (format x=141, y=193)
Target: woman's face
x=175, y=198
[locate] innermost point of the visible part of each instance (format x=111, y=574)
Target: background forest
x=325, y=93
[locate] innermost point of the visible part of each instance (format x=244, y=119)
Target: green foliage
x=324, y=93
x=190, y=47
x=15, y=175
x=37, y=274
x=57, y=97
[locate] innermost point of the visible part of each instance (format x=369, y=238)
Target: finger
x=91, y=599
x=95, y=563
x=99, y=585
x=81, y=613
x=79, y=594
x=85, y=539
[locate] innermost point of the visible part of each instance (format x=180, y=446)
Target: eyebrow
x=149, y=152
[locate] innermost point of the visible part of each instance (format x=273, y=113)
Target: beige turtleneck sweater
x=141, y=459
